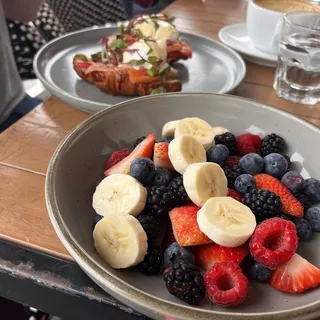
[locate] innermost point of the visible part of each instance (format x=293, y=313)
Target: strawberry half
x=143, y=149
x=207, y=255
x=297, y=275
x=290, y=205
x=116, y=157
x=161, y=156
x=185, y=226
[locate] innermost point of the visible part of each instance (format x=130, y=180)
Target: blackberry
x=161, y=200
x=229, y=140
x=176, y=185
x=303, y=199
x=272, y=143
x=138, y=141
x=232, y=173
x=263, y=203
x=288, y=160
x=150, y=225
x=151, y=265
x=185, y=282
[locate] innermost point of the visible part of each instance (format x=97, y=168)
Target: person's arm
x=21, y=10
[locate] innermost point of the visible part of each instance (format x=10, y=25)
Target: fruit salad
x=209, y=211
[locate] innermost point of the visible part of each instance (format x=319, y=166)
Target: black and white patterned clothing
x=55, y=18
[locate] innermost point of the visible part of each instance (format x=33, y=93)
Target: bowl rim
x=127, y=291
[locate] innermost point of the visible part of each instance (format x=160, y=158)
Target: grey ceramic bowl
x=77, y=167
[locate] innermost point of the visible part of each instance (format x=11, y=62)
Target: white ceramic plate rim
x=238, y=49
x=62, y=94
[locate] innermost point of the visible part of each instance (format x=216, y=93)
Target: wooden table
x=27, y=146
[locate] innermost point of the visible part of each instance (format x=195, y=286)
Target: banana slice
x=169, y=128
x=120, y=240
x=198, y=128
x=119, y=194
x=203, y=181
x=226, y=221
x=185, y=150
x=219, y=130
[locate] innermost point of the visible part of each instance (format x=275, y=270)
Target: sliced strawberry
x=209, y=254
x=143, y=149
x=234, y=194
x=116, y=157
x=297, y=275
x=185, y=226
x=161, y=156
x=290, y=205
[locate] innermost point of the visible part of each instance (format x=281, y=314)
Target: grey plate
x=214, y=68
x=77, y=167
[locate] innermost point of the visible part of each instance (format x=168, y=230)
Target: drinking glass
x=298, y=72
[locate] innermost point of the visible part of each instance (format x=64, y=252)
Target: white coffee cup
x=264, y=27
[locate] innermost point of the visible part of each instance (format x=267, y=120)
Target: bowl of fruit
x=193, y=206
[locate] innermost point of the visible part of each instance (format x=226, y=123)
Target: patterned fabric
x=55, y=18
x=78, y=14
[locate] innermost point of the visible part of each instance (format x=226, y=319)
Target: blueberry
x=304, y=230
x=218, y=154
x=96, y=219
x=259, y=272
x=251, y=163
x=167, y=139
x=142, y=169
x=313, y=216
x=175, y=254
x=312, y=189
x=245, y=183
x=293, y=181
x=275, y=164
x=161, y=177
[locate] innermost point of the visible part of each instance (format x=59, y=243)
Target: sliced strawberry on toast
x=161, y=156
x=296, y=275
x=143, y=149
x=185, y=226
x=209, y=254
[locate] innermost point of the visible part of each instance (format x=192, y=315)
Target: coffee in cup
x=264, y=20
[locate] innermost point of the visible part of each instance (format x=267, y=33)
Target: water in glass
x=298, y=73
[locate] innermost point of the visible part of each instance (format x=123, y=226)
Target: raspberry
x=274, y=242
x=226, y=284
x=234, y=194
x=116, y=157
x=248, y=143
x=232, y=161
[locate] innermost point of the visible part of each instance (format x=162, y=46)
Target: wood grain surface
x=27, y=146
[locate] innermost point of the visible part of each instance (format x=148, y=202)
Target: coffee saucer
x=236, y=37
